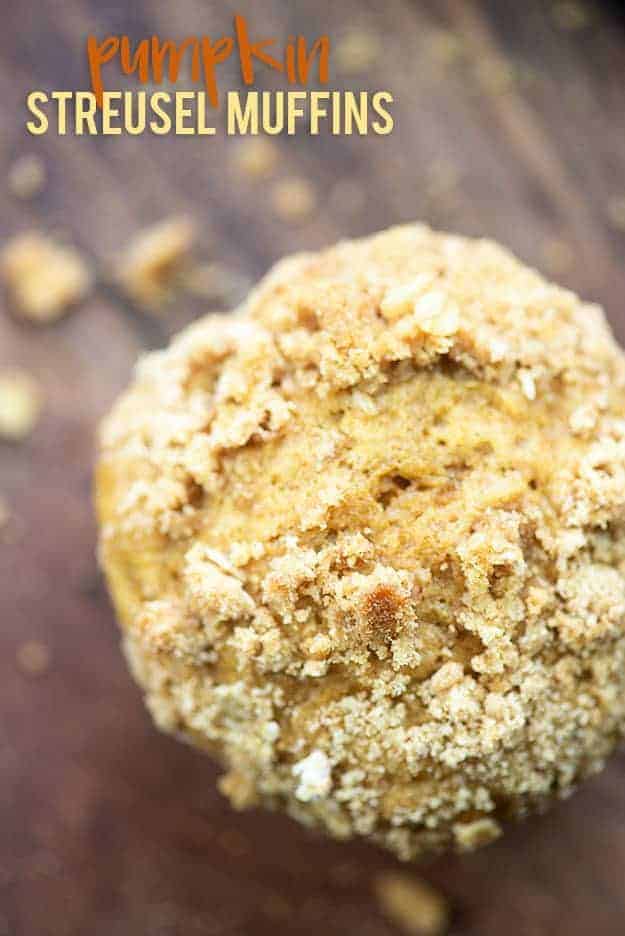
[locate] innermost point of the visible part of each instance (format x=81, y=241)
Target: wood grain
x=108, y=828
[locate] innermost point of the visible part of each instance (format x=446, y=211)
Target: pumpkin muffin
x=366, y=539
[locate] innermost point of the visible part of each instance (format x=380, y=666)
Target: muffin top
x=365, y=537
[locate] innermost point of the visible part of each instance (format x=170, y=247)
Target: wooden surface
x=108, y=828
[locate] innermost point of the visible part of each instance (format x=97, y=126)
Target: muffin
x=366, y=539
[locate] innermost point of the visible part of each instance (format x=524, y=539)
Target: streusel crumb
x=412, y=904
x=153, y=259
x=366, y=539
x=44, y=278
x=20, y=404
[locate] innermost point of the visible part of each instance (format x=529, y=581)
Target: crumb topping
x=314, y=777
x=366, y=538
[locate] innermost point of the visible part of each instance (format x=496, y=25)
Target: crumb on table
x=471, y=835
x=20, y=404
x=412, y=904
x=43, y=278
x=153, y=259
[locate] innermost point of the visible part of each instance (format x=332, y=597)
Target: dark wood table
x=514, y=130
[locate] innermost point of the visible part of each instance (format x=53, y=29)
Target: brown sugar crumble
x=20, y=404
x=44, y=279
x=472, y=835
x=413, y=905
x=154, y=259
x=341, y=560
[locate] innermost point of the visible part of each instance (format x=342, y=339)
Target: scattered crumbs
x=557, y=255
x=616, y=212
x=356, y=51
x=470, y=835
x=27, y=176
x=570, y=15
x=214, y=281
x=43, y=277
x=293, y=199
x=256, y=157
x=444, y=47
x=33, y=658
x=154, y=258
x=495, y=74
x=20, y=404
x=412, y=904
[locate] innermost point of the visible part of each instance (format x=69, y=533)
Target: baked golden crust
x=366, y=539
